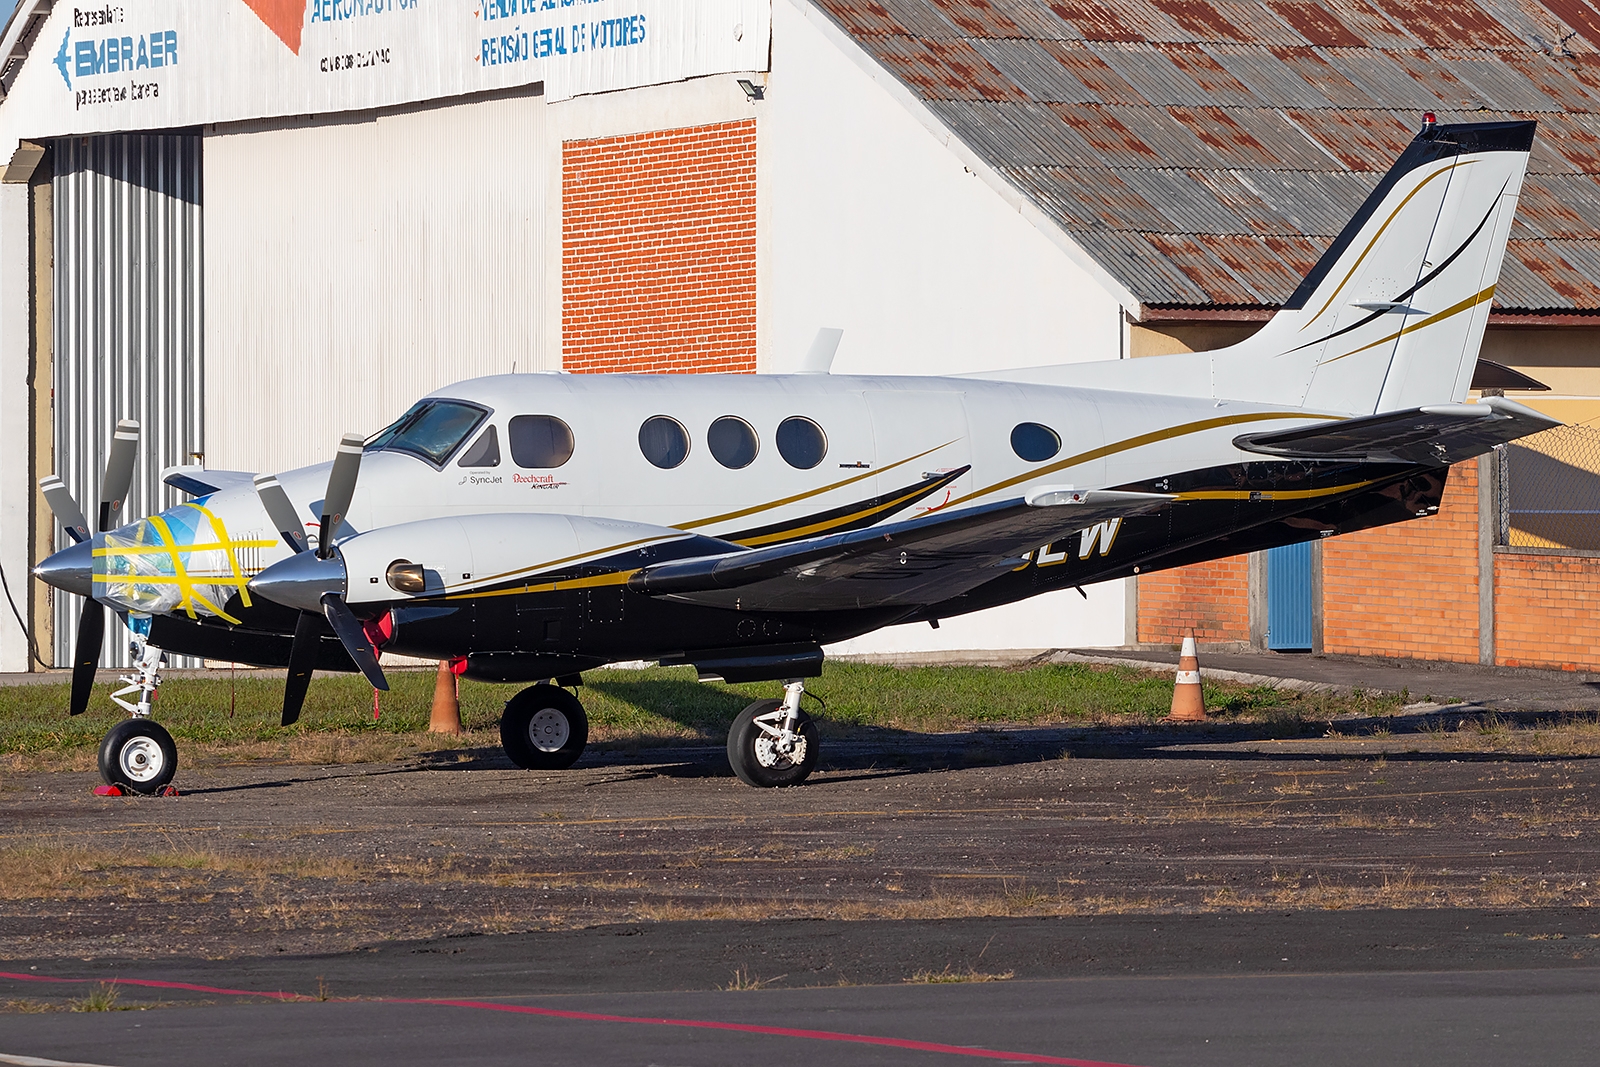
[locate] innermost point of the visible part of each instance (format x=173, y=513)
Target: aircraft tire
x=758, y=764
x=544, y=728
x=138, y=756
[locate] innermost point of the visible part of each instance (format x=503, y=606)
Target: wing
x=918, y=561
x=197, y=481
x=1433, y=435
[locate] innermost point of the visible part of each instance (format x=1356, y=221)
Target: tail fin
x=1393, y=314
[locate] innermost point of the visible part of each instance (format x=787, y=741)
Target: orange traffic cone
x=1188, y=699
x=446, y=715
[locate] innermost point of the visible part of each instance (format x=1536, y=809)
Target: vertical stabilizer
x=1393, y=314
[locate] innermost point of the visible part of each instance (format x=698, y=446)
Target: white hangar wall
x=874, y=224
x=871, y=223
x=355, y=263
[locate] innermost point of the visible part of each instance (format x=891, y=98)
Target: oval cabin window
x=539, y=441
x=733, y=442
x=664, y=441
x=1033, y=442
x=801, y=442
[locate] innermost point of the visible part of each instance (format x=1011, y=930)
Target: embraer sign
x=153, y=64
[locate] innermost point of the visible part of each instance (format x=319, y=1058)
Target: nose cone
x=71, y=569
x=300, y=581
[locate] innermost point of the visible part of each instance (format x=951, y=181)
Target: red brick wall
x=1212, y=597
x=1408, y=590
x=1547, y=611
x=659, y=251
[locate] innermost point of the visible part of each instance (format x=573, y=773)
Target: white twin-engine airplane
x=531, y=527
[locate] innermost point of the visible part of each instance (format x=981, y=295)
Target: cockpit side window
x=431, y=430
x=485, y=451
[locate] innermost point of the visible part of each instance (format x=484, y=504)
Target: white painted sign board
x=160, y=64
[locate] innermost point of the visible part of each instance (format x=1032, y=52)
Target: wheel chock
x=169, y=791
x=107, y=791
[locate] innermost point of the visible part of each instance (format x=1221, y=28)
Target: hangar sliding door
x=128, y=324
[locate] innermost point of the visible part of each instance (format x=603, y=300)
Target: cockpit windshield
x=432, y=429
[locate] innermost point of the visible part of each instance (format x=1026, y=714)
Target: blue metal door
x=1289, y=597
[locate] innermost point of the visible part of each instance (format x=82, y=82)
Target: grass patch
x=660, y=705
x=948, y=976
x=102, y=997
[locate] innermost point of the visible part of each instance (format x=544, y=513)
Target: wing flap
x=917, y=561
x=1434, y=435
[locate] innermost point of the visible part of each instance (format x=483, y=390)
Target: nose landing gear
x=139, y=755
x=772, y=742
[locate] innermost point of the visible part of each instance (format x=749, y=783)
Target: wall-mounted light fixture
x=752, y=91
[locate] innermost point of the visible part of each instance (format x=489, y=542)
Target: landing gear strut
x=139, y=755
x=544, y=728
x=772, y=742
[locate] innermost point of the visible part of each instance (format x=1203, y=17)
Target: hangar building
x=256, y=224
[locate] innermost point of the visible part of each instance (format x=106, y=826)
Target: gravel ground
x=256, y=860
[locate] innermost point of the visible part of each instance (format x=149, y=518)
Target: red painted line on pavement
x=588, y=1016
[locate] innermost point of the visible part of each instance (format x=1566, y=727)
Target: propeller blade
x=302, y=660
x=341, y=488
x=65, y=509
x=281, y=511
x=86, y=656
x=354, y=638
x=119, y=471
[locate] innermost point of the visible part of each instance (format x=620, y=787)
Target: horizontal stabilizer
x=917, y=561
x=1434, y=435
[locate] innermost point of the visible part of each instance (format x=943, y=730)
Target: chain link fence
x=1550, y=489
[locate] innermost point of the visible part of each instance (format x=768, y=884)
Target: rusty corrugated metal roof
x=1207, y=151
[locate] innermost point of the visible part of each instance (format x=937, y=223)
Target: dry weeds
x=949, y=976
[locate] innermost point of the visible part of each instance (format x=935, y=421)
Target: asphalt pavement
x=1485, y=1018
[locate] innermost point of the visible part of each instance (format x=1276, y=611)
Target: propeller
x=315, y=581
x=113, y=491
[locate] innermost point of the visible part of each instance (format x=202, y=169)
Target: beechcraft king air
x=530, y=527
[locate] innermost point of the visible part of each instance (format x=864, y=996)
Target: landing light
x=406, y=577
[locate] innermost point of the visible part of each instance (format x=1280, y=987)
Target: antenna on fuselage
x=819, y=357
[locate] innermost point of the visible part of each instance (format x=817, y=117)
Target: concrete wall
x=16, y=482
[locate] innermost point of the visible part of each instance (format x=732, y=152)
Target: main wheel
x=138, y=755
x=757, y=756
x=544, y=729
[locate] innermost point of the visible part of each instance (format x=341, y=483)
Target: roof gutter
x=27, y=19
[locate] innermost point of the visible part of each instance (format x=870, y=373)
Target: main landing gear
x=138, y=755
x=544, y=728
x=772, y=742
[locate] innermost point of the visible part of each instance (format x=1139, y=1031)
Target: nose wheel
x=773, y=743
x=138, y=756
x=544, y=729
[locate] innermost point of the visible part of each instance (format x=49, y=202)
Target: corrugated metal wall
x=357, y=262
x=129, y=323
